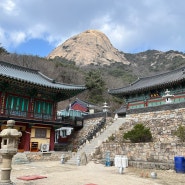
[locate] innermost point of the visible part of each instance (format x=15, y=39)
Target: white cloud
x=2, y=36
x=119, y=35
x=37, y=31
x=8, y=6
x=130, y=25
x=17, y=37
x=11, y=38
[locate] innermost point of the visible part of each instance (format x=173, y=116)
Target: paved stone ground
x=63, y=174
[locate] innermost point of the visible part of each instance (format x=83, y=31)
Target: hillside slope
x=121, y=70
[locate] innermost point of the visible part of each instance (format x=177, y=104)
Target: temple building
x=30, y=98
x=153, y=91
x=83, y=106
x=78, y=108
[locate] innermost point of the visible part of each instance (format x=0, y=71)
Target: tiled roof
x=83, y=103
x=121, y=110
x=149, y=83
x=34, y=77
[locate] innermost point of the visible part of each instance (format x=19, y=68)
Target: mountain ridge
x=93, y=48
x=115, y=74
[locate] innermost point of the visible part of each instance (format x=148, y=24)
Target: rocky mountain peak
x=89, y=47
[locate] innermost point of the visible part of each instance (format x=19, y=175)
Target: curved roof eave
x=151, y=82
x=124, y=91
x=58, y=86
x=35, y=77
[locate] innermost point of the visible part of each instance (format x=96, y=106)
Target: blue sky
x=36, y=27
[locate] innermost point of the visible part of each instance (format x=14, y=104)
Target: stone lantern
x=168, y=97
x=105, y=107
x=9, y=146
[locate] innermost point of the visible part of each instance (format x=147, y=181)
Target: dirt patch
x=92, y=173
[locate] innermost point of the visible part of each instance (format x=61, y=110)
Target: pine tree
x=3, y=50
x=96, y=86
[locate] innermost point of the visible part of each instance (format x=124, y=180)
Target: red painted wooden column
x=27, y=139
x=2, y=102
x=52, y=139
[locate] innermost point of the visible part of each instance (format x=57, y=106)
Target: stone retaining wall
x=26, y=157
x=162, y=124
x=165, y=146
x=146, y=155
x=46, y=156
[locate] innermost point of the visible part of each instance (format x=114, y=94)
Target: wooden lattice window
x=17, y=103
x=43, y=109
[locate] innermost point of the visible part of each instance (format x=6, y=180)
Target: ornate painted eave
x=33, y=78
x=152, y=82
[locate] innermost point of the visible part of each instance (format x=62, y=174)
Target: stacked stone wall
x=162, y=124
x=165, y=145
x=81, y=134
x=46, y=156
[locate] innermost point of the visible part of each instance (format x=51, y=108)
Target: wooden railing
x=27, y=116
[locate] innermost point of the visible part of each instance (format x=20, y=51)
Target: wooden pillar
x=128, y=106
x=31, y=108
x=54, y=111
x=27, y=139
x=52, y=139
x=146, y=103
x=2, y=102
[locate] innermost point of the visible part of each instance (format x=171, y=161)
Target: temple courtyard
x=55, y=173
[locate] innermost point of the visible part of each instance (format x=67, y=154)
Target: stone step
x=89, y=148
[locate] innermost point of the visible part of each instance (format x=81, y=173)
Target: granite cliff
x=89, y=47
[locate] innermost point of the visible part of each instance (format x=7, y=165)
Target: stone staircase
x=89, y=148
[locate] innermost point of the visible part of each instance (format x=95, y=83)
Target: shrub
x=139, y=134
x=180, y=133
x=111, y=138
